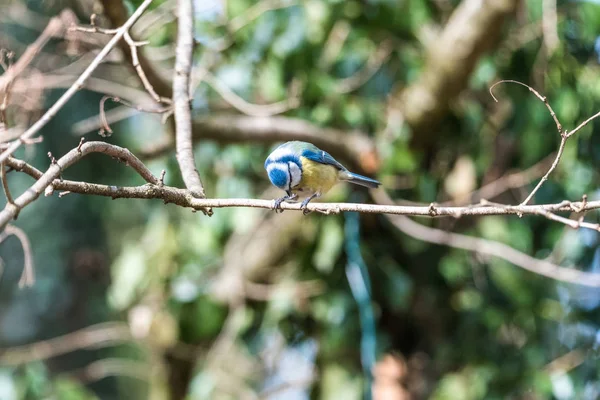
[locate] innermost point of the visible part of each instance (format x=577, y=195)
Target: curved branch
x=58, y=166
x=28, y=275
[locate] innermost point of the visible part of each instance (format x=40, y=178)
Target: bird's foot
x=304, y=204
x=277, y=205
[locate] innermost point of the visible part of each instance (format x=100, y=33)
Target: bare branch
x=564, y=135
x=77, y=85
x=135, y=60
x=9, y=198
x=57, y=167
x=28, y=275
x=543, y=99
x=181, y=98
x=561, y=149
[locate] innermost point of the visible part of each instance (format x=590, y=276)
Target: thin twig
x=564, y=135
x=561, y=149
x=28, y=275
x=135, y=60
x=9, y=198
x=76, y=86
x=181, y=99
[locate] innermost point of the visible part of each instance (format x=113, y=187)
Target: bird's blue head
x=279, y=177
x=284, y=168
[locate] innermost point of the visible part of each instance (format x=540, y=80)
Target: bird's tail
x=359, y=179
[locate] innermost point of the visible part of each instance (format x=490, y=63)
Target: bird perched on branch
x=305, y=171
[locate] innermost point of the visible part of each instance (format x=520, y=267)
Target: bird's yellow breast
x=316, y=177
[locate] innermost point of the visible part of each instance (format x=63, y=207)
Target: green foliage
x=466, y=326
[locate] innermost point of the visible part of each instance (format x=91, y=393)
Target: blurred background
x=135, y=299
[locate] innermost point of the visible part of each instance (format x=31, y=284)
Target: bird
x=303, y=170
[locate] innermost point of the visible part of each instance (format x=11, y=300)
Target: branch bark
x=57, y=167
x=181, y=98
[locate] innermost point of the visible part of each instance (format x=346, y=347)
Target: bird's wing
x=322, y=157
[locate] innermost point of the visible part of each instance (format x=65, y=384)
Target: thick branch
x=76, y=86
x=181, y=98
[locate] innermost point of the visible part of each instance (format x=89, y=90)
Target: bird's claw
x=304, y=206
x=277, y=205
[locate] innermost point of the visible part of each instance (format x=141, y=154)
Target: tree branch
x=76, y=86
x=181, y=99
x=58, y=166
x=564, y=135
x=28, y=275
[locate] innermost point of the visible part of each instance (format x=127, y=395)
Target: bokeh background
x=136, y=299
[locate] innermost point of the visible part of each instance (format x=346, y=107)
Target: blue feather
x=322, y=157
x=278, y=177
x=361, y=180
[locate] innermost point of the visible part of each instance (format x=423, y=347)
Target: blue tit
x=305, y=171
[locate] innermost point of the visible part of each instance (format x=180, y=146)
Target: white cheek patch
x=295, y=172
